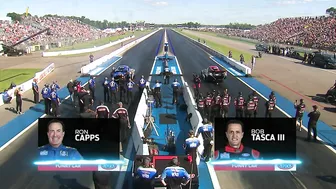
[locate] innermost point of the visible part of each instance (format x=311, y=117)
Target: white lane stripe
x=32, y=124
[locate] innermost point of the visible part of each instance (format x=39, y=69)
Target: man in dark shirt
x=313, y=118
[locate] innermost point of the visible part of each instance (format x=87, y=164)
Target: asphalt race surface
x=318, y=168
x=16, y=161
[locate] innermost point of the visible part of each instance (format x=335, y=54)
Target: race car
x=123, y=70
x=213, y=74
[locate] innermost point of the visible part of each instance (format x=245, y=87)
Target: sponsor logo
x=245, y=155
x=285, y=166
x=109, y=166
x=63, y=153
x=224, y=156
x=44, y=153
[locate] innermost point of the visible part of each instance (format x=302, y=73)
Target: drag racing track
x=16, y=161
x=318, y=168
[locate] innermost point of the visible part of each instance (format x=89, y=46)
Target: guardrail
x=80, y=51
x=86, y=69
x=237, y=65
x=39, y=76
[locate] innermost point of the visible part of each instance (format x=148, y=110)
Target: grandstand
x=312, y=32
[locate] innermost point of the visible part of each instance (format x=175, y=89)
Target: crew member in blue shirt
x=145, y=175
x=106, y=90
x=92, y=86
x=191, y=144
x=207, y=132
x=46, y=96
x=113, y=86
x=176, y=87
x=55, y=86
x=166, y=74
x=55, y=150
x=6, y=97
x=141, y=84
x=55, y=101
x=130, y=87
x=174, y=176
x=157, y=93
x=35, y=89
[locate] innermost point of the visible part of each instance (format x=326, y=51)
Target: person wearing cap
x=145, y=175
x=239, y=104
x=300, y=108
x=130, y=87
x=157, y=93
x=46, y=96
x=174, y=176
x=55, y=102
x=313, y=118
x=121, y=113
x=92, y=86
x=166, y=73
x=6, y=97
x=250, y=107
x=270, y=106
x=191, y=144
x=207, y=132
x=70, y=87
x=54, y=86
x=225, y=105
x=208, y=106
x=176, y=88
x=272, y=96
x=35, y=89
x=114, y=87
x=256, y=101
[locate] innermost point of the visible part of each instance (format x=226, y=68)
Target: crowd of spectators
x=61, y=29
x=313, y=32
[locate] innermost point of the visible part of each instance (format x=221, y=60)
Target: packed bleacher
x=313, y=32
x=63, y=30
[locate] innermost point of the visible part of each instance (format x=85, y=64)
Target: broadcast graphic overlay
x=255, y=144
x=72, y=144
x=156, y=168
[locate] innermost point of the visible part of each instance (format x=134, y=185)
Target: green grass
x=240, y=39
x=98, y=42
x=18, y=76
x=224, y=49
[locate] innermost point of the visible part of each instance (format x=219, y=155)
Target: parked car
x=324, y=60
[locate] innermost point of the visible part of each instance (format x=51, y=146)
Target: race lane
x=317, y=170
x=16, y=161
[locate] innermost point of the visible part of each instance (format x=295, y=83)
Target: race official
x=130, y=88
x=105, y=85
x=157, y=93
x=191, y=144
x=46, y=96
x=235, y=150
x=121, y=113
x=239, y=104
x=313, y=118
x=250, y=107
x=201, y=104
x=256, y=101
x=208, y=106
x=225, y=105
x=102, y=111
x=55, y=150
x=55, y=102
x=176, y=88
x=207, y=132
x=145, y=175
x=270, y=106
x=174, y=176
x=91, y=58
x=122, y=87
x=35, y=89
x=92, y=86
x=113, y=86
x=300, y=108
x=197, y=85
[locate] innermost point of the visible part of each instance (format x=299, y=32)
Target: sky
x=212, y=12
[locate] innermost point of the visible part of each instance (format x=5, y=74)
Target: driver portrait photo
x=55, y=150
x=235, y=149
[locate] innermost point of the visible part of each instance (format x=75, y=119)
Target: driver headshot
x=55, y=150
x=235, y=149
